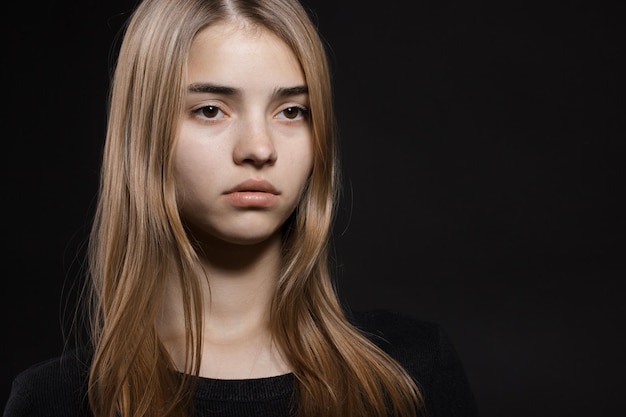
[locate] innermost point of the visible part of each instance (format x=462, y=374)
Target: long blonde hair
x=138, y=236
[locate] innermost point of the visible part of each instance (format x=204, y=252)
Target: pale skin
x=243, y=156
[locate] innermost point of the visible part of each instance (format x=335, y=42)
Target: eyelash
x=303, y=111
x=200, y=112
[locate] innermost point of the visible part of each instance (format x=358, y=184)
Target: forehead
x=233, y=50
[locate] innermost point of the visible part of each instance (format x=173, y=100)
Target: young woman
x=209, y=278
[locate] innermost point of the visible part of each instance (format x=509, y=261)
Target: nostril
x=255, y=151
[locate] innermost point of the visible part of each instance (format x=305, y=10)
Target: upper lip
x=254, y=185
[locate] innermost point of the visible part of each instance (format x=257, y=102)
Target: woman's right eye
x=208, y=112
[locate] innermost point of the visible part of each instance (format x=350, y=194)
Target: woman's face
x=244, y=150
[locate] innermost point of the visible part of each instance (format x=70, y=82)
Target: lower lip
x=252, y=199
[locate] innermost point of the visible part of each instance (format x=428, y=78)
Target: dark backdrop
x=482, y=149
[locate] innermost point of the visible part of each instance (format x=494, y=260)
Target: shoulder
x=426, y=351
x=54, y=387
x=410, y=341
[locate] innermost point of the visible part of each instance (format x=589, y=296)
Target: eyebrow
x=231, y=91
x=212, y=88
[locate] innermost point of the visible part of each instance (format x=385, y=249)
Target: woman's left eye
x=293, y=113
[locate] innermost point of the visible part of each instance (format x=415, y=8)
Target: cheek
x=307, y=159
x=193, y=168
x=302, y=165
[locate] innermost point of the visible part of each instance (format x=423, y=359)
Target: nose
x=254, y=145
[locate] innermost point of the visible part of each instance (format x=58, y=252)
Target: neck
x=238, y=289
x=240, y=281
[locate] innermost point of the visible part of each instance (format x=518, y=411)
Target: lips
x=253, y=194
x=254, y=186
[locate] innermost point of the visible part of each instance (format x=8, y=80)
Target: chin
x=235, y=233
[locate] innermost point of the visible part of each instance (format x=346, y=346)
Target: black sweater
x=56, y=387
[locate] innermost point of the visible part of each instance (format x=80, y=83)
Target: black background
x=482, y=145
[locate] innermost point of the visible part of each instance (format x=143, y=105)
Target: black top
x=56, y=387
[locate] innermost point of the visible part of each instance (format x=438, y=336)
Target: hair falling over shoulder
x=138, y=238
